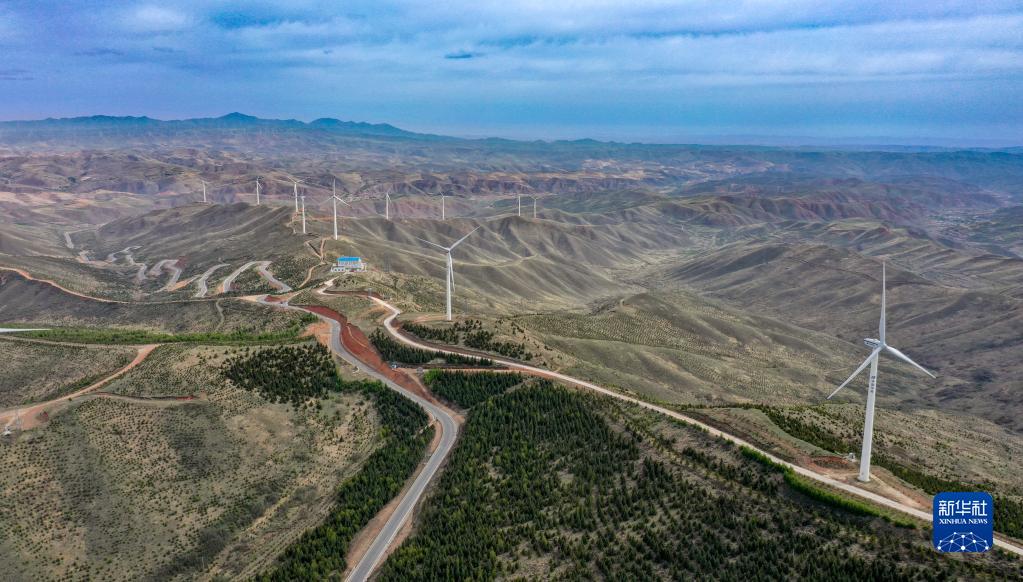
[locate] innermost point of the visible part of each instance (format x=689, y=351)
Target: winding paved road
x=167, y=265
x=201, y=281
x=825, y=479
x=449, y=432
x=261, y=268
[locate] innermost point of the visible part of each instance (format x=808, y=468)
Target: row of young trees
x=549, y=483
x=395, y=351
x=471, y=334
x=467, y=389
x=320, y=553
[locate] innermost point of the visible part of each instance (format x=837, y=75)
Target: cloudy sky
x=910, y=71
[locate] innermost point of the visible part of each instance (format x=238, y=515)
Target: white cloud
x=152, y=18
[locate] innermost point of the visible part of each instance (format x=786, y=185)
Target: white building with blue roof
x=349, y=265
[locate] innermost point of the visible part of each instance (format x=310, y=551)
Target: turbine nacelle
x=871, y=343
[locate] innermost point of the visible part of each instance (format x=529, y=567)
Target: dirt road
x=30, y=415
x=56, y=285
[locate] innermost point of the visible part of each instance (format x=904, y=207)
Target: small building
x=349, y=265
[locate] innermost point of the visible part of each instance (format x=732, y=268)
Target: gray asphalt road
x=827, y=480
x=449, y=432
x=261, y=268
x=274, y=281
x=201, y=281
x=229, y=280
x=167, y=265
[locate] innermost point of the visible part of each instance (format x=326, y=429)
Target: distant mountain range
x=230, y=121
x=22, y=132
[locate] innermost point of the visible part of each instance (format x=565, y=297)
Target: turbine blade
x=445, y=249
x=459, y=241
x=881, y=326
x=865, y=363
x=906, y=359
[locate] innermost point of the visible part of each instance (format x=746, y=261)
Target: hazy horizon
x=918, y=73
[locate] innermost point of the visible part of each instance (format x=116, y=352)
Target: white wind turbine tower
x=518, y=197
x=877, y=346
x=303, y=214
x=335, y=199
x=296, y=183
x=203, y=191
x=442, y=213
x=257, y=191
x=450, y=278
x=387, y=205
x=534, y=206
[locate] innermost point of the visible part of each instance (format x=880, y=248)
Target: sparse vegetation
x=118, y=488
x=138, y=336
x=34, y=372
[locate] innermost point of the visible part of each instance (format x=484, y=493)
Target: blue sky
x=652, y=70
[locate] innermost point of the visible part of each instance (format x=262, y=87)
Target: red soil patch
x=359, y=346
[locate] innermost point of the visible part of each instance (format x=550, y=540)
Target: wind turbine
x=257, y=191
x=450, y=278
x=203, y=191
x=296, y=183
x=534, y=206
x=387, y=205
x=335, y=199
x=877, y=346
x=518, y=196
x=442, y=214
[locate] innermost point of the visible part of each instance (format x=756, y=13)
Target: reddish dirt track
x=26, y=275
x=359, y=346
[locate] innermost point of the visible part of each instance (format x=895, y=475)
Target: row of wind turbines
x=300, y=202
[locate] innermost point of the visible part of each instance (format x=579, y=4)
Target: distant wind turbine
x=450, y=278
x=257, y=191
x=296, y=183
x=877, y=346
x=203, y=191
x=387, y=205
x=518, y=197
x=534, y=206
x=335, y=199
x=442, y=214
